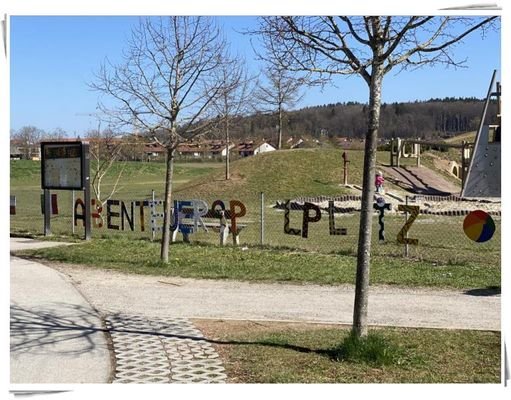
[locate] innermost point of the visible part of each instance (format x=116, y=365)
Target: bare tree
x=57, y=134
x=165, y=85
x=280, y=93
x=370, y=47
x=27, y=139
x=104, y=150
x=234, y=98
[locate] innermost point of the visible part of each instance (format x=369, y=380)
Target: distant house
x=203, y=149
x=21, y=150
x=154, y=151
x=218, y=148
x=190, y=150
x=264, y=148
x=224, y=150
x=297, y=144
x=250, y=148
x=16, y=152
x=245, y=149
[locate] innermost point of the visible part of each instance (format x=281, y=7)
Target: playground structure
x=484, y=173
x=480, y=170
x=411, y=148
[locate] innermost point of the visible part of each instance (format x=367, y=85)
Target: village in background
x=340, y=125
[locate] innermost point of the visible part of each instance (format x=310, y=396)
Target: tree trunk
x=366, y=214
x=279, y=145
x=167, y=214
x=227, y=152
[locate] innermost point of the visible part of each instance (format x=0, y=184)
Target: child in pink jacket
x=378, y=182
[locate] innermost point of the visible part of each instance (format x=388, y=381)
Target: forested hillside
x=425, y=119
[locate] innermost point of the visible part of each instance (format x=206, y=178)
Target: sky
x=53, y=58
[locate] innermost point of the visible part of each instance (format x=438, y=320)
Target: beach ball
x=479, y=226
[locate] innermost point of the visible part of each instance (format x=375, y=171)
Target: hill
x=279, y=174
x=288, y=174
x=464, y=137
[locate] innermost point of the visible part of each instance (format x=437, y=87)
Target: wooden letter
x=287, y=229
x=142, y=204
x=155, y=215
x=110, y=214
x=307, y=218
x=79, y=202
x=243, y=210
x=381, y=206
x=331, y=221
x=124, y=213
x=200, y=209
x=97, y=221
x=414, y=212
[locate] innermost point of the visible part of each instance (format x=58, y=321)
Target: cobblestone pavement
x=162, y=350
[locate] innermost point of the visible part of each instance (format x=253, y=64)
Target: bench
x=223, y=230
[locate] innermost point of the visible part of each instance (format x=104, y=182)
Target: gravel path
x=153, y=296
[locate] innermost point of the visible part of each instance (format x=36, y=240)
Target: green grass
x=291, y=353
x=138, y=181
x=374, y=349
x=444, y=256
x=464, y=137
x=206, y=261
x=283, y=174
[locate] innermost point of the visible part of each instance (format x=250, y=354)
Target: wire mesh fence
x=323, y=224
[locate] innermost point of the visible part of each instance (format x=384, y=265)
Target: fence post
x=73, y=212
x=406, y=235
x=392, y=152
x=262, y=218
x=152, y=230
x=47, y=212
x=398, y=157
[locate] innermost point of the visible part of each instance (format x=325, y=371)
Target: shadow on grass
x=373, y=349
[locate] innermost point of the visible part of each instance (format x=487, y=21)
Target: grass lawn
x=264, y=264
x=264, y=352
x=445, y=257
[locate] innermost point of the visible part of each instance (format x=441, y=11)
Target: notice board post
x=65, y=166
x=47, y=212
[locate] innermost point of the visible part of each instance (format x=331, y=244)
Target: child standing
x=378, y=182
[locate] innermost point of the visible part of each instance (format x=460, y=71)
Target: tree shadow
x=51, y=329
x=120, y=323
x=487, y=291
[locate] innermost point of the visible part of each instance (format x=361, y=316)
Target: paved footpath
x=147, y=319
x=157, y=296
x=56, y=336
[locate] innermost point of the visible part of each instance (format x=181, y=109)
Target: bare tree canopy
x=28, y=138
x=279, y=94
x=165, y=85
x=369, y=46
x=234, y=98
x=104, y=150
x=353, y=45
x=164, y=82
